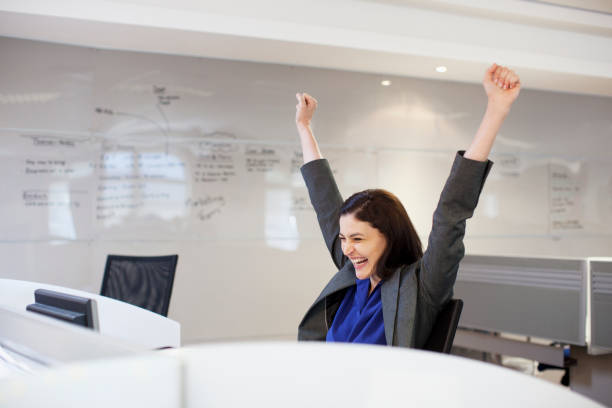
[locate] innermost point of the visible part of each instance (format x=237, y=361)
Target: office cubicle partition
x=540, y=297
x=601, y=306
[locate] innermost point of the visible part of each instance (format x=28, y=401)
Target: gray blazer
x=414, y=294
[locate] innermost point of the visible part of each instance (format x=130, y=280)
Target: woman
x=386, y=290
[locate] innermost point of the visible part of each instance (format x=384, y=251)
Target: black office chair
x=443, y=331
x=144, y=281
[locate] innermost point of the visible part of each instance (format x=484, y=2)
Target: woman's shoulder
x=408, y=270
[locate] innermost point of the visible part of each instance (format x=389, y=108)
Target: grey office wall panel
x=528, y=296
x=601, y=304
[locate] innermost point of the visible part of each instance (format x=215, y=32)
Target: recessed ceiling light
x=386, y=82
x=441, y=68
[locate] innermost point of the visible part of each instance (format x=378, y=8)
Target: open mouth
x=359, y=262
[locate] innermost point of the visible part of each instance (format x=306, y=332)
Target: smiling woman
x=364, y=245
x=378, y=215
x=387, y=291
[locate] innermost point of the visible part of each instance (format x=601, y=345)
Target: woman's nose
x=348, y=248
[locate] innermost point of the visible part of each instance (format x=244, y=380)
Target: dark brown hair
x=385, y=212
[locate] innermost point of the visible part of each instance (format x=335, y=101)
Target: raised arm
x=502, y=86
x=322, y=189
x=304, y=110
x=459, y=197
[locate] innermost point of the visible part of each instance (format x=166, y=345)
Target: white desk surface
x=151, y=381
x=336, y=375
x=116, y=319
x=287, y=375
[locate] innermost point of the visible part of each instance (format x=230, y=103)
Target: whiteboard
x=142, y=154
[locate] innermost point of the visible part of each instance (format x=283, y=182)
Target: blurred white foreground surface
x=285, y=375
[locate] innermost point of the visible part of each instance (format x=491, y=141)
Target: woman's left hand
x=502, y=86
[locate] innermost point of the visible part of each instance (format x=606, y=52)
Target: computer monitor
x=73, y=309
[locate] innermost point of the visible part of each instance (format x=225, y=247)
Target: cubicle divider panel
x=536, y=297
x=601, y=304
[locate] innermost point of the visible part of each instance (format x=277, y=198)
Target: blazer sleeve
x=327, y=201
x=445, y=247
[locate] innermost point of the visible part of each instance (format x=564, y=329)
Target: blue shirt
x=359, y=318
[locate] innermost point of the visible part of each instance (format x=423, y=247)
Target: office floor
x=523, y=365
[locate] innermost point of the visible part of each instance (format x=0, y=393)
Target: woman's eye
x=342, y=238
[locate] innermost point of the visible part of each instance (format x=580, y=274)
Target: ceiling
x=556, y=45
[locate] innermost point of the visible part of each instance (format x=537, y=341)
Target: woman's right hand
x=304, y=110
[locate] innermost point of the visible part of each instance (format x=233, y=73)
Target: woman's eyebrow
x=355, y=234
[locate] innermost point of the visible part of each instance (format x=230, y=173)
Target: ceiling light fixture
x=386, y=82
x=441, y=68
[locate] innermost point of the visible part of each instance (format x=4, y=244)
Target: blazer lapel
x=389, y=293
x=344, y=278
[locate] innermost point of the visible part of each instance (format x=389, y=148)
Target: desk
x=288, y=375
x=115, y=320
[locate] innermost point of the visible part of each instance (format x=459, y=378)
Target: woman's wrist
x=497, y=109
x=302, y=125
x=304, y=129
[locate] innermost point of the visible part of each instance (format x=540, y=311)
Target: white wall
x=254, y=266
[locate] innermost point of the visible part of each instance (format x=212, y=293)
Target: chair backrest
x=443, y=331
x=144, y=281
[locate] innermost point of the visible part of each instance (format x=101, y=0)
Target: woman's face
x=362, y=244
